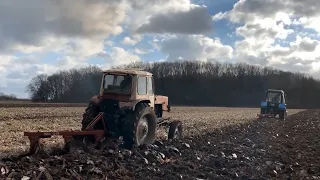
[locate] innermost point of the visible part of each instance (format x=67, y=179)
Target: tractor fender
x=95, y=100
x=132, y=104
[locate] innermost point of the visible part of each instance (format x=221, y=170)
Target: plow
x=126, y=108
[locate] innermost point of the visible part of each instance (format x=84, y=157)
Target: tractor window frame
x=143, y=85
x=116, y=81
x=105, y=82
x=150, y=84
x=274, y=92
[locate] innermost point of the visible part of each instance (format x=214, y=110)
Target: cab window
x=150, y=85
x=142, y=85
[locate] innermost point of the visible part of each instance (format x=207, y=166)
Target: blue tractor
x=274, y=104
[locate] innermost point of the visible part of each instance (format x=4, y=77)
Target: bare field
x=219, y=143
x=26, y=104
x=197, y=120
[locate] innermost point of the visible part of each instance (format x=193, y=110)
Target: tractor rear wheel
x=175, y=130
x=139, y=126
x=283, y=115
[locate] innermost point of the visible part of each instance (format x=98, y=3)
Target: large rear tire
x=283, y=115
x=139, y=126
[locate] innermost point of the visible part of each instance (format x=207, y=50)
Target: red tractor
x=126, y=107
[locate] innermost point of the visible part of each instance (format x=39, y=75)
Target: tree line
x=7, y=97
x=188, y=83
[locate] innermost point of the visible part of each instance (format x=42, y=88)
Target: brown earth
x=14, y=121
x=24, y=104
x=219, y=143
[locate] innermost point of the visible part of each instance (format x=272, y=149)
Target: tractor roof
x=275, y=90
x=134, y=71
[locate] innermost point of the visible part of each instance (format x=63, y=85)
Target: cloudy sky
x=45, y=36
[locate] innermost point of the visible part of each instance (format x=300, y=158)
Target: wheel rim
x=142, y=129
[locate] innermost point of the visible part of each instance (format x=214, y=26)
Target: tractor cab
x=274, y=104
x=131, y=87
x=128, y=86
x=275, y=97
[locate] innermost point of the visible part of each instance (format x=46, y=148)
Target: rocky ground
x=261, y=149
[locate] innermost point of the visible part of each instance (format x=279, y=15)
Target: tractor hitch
x=266, y=115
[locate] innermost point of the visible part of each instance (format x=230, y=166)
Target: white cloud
x=118, y=56
x=69, y=62
x=195, y=47
x=5, y=60
x=82, y=48
x=266, y=25
x=131, y=41
x=142, y=51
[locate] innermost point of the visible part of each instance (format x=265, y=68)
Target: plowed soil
x=219, y=143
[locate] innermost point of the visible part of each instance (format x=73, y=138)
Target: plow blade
x=68, y=136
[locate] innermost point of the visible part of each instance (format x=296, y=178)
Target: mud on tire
x=139, y=126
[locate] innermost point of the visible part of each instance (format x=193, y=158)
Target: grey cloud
x=254, y=60
x=295, y=65
x=26, y=22
x=26, y=73
x=281, y=52
x=268, y=8
x=260, y=7
x=195, y=21
x=255, y=30
x=308, y=46
x=142, y=4
x=18, y=90
x=305, y=7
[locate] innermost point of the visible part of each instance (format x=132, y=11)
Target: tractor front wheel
x=175, y=130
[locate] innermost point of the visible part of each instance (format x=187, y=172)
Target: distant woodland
x=188, y=83
x=7, y=97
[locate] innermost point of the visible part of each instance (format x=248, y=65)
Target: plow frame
x=68, y=135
